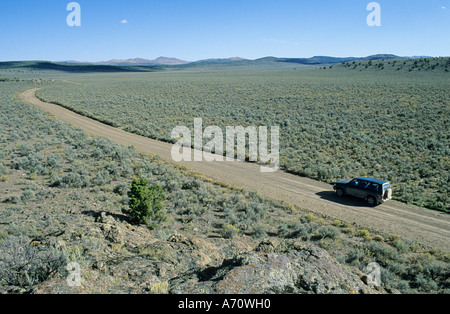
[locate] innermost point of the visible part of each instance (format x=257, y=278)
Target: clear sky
x=200, y=29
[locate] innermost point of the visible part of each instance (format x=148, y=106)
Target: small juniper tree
x=146, y=203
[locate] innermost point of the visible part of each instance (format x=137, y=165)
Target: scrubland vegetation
x=335, y=123
x=435, y=65
x=56, y=180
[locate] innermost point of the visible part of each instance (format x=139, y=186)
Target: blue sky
x=200, y=29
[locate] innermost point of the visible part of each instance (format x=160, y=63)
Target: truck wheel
x=340, y=192
x=371, y=201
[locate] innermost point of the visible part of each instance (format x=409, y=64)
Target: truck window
x=375, y=187
x=365, y=184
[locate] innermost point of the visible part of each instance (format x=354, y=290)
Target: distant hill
x=136, y=62
x=219, y=60
x=313, y=61
x=441, y=64
x=132, y=62
x=377, y=62
x=145, y=62
x=72, y=67
x=316, y=60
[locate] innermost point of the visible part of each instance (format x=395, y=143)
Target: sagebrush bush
x=27, y=195
x=121, y=188
x=23, y=265
x=2, y=169
x=72, y=180
x=12, y=199
x=365, y=234
x=229, y=231
x=304, y=231
x=359, y=256
x=383, y=254
x=328, y=232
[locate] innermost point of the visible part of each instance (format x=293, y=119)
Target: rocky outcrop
x=289, y=268
x=191, y=265
x=128, y=259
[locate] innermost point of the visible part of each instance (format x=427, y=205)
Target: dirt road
x=411, y=222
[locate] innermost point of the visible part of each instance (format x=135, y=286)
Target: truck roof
x=372, y=180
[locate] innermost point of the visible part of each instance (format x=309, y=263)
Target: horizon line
x=221, y=58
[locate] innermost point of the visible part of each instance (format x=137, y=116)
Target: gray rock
x=300, y=269
x=112, y=233
x=105, y=219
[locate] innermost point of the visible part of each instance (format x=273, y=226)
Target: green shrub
x=424, y=283
x=23, y=265
x=259, y=231
x=328, y=232
x=308, y=218
x=364, y=234
x=72, y=180
x=378, y=238
x=2, y=169
x=359, y=256
x=12, y=199
x=229, y=231
x=146, y=203
x=304, y=231
x=383, y=253
x=121, y=189
x=350, y=231
x=283, y=230
x=27, y=195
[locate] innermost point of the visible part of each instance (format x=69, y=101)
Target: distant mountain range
x=164, y=63
x=136, y=62
x=317, y=60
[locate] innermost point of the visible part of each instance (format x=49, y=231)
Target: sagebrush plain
x=63, y=192
x=385, y=119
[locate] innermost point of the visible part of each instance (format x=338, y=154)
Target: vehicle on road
x=373, y=191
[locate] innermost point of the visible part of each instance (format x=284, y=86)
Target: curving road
x=424, y=226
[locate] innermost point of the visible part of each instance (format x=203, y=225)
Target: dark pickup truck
x=373, y=191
